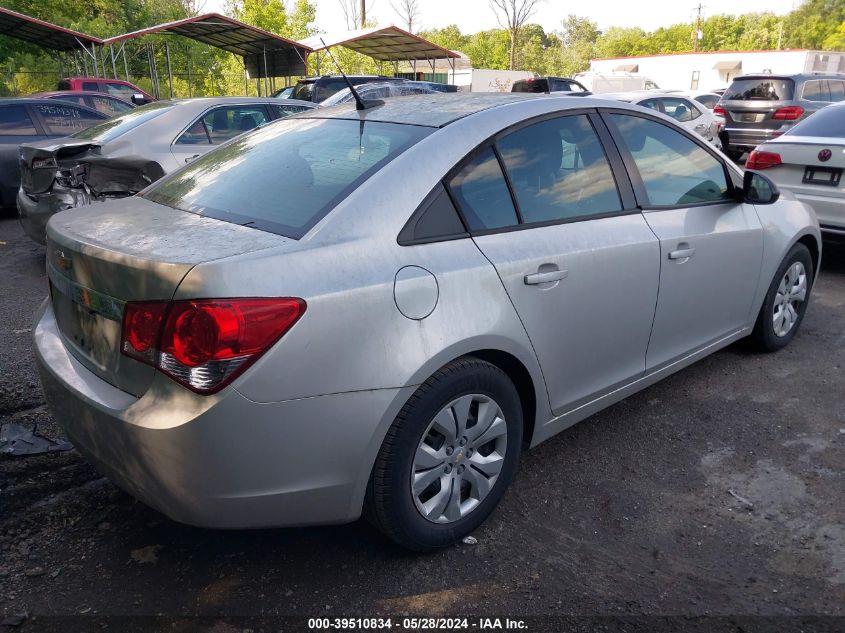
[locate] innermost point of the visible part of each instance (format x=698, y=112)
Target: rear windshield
x=829, y=121
x=116, y=126
x=303, y=91
x=535, y=85
x=285, y=177
x=760, y=89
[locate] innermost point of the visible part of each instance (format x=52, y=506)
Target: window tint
x=481, y=192
x=90, y=85
x=680, y=109
x=120, y=90
x=764, y=89
x=196, y=134
x=558, y=170
x=304, y=91
x=286, y=176
x=829, y=121
x=228, y=122
x=281, y=111
x=63, y=119
x=674, y=169
x=708, y=101
x=15, y=121
x=108, y=106
x=816, y=90
x=437, y=219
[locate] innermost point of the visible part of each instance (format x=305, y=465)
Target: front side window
x=64, y=120
x=90, y=85
x=482, y=193
x=228, y=122
x=651, y=104
x=558, y=170
x=108, y=106
x=675, y=170
x=120, y=90
x=680, y=109
x=285, y=177
x=708, y=101
x=15, y=121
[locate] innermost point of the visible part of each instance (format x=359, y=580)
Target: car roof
x=431, y=110
x=211, y=101
x=814, y=75
x=75, y=93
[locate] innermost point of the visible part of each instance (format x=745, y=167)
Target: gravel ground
x=630, y=513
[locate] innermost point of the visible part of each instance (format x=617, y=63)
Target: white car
x=693, y=116
x=808, y=161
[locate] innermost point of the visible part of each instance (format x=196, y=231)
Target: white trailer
x=708, y=71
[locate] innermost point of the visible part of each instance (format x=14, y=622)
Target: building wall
x=716, y=70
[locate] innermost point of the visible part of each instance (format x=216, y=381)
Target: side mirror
x=138, y=99
x=758, y=189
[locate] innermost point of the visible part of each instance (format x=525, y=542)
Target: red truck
x=116, y=87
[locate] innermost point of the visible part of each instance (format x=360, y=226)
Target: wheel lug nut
x=463, y=441
x=448, y=468
x=469, y=452
x=449, y=450
x=460, y=470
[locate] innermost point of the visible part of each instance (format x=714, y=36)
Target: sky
x=475, y=15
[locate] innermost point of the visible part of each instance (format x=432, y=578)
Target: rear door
x=711, y=245
x=575, y=255
x=17, y=125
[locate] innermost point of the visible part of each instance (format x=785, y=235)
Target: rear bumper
x=219, y=461
x=747, y=138
x=34, y=214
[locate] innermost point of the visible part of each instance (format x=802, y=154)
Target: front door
x=580, y=267
x=711, y=245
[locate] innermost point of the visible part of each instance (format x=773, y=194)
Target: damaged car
x=121, y=156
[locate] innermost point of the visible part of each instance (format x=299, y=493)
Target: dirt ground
x=718, y=492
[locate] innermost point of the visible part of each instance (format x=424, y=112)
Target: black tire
x=390, y=505
x=764, y=338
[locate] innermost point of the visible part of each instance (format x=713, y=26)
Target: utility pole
x=363, y=13
x=696, y=38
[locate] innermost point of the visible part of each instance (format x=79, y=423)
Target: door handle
x=546, y=277
x=682, y=253
x=190, y=158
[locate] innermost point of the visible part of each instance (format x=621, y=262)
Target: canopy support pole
x=264, y=52
x=190, y=80
x=169, y=68
x=113, y=64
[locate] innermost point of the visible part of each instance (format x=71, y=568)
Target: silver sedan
x=123, y=155
x=696, y=117
x=375, y=311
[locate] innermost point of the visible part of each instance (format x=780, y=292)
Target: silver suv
x=761, y=107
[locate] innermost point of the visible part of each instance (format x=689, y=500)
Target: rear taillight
x=788, y=113
x=719, y=110
x=762, y=160
x=206, y=343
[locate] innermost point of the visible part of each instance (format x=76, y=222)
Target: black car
x=317, y=89
x=25, y=120
x=549, y=84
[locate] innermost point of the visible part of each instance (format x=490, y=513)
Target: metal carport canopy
x=44, y=34
x=264, y=54
x=386, y=44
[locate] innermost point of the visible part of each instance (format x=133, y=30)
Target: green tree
x=812, y=23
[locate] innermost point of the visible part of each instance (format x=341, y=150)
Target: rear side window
x=64, y=120
x=77, y=99
x=120, y=90
x=109, y=107
x=533, y=85
x=281, y=111
x=816, y=90
x=837, y=89
x=829, y=122
x=15, y=121
x=304, y=91
x=708, y=101
x=558, y=170
x=762, y=89
x=90, y=85
x=285, y=177
x=228, y=122
x=675, y=171
x=482, y=193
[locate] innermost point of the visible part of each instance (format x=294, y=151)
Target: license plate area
x=825, y=176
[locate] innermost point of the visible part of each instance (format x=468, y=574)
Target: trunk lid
x=102, y=256
x=39, y=179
